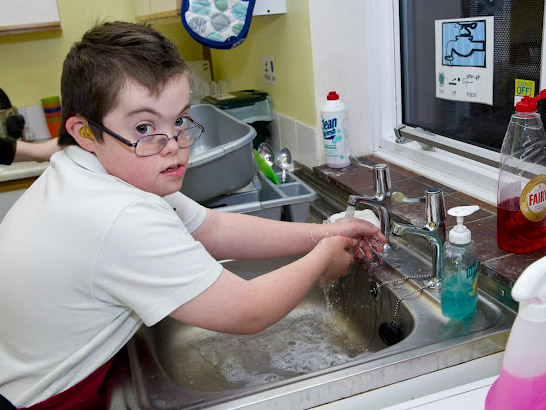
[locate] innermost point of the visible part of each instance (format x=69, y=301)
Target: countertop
x=502, y=266
x=21, y=170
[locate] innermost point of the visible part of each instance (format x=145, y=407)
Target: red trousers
x=89, y=394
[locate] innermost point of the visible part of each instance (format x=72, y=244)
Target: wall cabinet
x=28, y=15
x=265, y=7
x=168, y=11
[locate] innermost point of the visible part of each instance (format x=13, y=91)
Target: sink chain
x=390, y=282
x=430, y=285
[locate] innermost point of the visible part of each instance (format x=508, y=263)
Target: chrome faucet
x=381, y=200
x=433, y=230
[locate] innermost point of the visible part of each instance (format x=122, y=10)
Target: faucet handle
x=381, y=176
x=435, y=208
x=355, y=161
x=401, y=198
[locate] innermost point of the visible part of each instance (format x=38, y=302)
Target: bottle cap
x=332, y=95
x=529, y=104
x=530, y=291
x=460, y=234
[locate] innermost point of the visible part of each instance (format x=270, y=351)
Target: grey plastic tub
x=221, y=160
x=289, y=201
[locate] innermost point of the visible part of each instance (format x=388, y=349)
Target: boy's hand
x=367, y=235
x=339, y=252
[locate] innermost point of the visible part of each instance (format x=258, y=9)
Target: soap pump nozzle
x=460, y=234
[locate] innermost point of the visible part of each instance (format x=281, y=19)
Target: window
x=456, y=142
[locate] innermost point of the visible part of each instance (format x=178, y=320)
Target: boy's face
x=137, y=111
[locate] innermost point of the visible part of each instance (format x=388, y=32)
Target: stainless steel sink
x=328, y=348
x=329, y=328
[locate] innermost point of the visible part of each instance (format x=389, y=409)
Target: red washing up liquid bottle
x=521, y=196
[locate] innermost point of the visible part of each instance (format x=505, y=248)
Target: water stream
x=350, y=212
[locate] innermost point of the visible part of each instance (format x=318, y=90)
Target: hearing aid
x=85, y=132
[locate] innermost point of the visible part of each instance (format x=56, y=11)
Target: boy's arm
x=234, y=305
x=238, y=236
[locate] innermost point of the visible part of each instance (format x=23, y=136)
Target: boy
x=104, y=241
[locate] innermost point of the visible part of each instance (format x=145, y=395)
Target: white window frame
x=464, y=167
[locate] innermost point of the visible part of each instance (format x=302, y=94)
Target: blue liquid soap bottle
x=459, y=268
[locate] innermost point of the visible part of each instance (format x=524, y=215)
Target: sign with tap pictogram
x=464, y=59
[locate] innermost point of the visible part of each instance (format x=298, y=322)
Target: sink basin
x=328, y=328
x=326, y=349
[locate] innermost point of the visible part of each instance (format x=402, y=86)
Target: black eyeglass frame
x=134, y=144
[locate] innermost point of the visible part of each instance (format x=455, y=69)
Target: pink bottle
x=522, y=381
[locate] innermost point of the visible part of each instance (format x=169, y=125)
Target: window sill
x=462, y=174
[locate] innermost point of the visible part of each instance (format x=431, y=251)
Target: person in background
x=12, y=150
x=114, y=242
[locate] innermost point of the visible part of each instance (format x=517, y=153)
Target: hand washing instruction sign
x=464, y=59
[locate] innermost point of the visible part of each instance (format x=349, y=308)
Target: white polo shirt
x=85, y=258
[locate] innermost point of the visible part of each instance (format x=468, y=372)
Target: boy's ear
x=81, y=132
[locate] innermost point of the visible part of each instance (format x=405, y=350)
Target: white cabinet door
x=28, y=15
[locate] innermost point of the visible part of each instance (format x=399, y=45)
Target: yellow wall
x=31, y=63
x=287, y=38
x=190, y=49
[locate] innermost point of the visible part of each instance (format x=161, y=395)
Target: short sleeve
x=190, y=212
x=8, y=146
x=150, y=263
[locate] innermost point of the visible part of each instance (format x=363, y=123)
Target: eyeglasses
x=153, y=144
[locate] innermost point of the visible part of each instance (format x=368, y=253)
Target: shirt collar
x=85, y=159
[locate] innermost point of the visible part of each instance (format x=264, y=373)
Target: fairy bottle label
x=532, y=201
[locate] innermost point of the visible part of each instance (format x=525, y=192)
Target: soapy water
x=307, y=340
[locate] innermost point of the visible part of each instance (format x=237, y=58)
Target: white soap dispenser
x=522, y=381
x=459, y=272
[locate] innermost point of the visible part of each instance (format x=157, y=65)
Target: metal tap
x=381, y=200
x=433, y=230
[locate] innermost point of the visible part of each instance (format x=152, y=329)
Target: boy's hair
x=109, y=54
